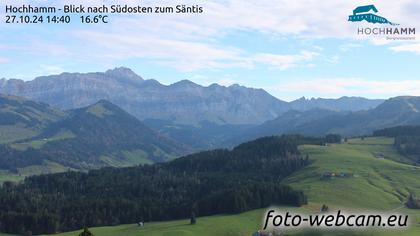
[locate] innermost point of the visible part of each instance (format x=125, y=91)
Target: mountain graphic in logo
x=367, y=13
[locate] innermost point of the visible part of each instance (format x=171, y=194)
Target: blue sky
x=290, y=48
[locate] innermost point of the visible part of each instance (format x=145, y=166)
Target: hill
x=393, y=112
x=319, y=122
x=21, y=118
x=95, y=136
x=288, y=123
x=380, y=180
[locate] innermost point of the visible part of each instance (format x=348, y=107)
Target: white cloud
x=188, y=42
x=349, y=46
x=182, y=55
x=188, y=56
x=284, y=62
x=349, y=86
x=191, y=42
x=333, y=60
x=51, y=69
x=413, y=47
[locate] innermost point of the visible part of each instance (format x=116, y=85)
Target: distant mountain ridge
x=287, y=123
x=183, y=102
x=340, y=104
x=393, y=112
x=318, y=122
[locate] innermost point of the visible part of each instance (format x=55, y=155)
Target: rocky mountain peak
x=123, y=72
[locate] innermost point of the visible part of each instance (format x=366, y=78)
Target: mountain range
x=340, y=104
x=201, y=117
x=183, y=102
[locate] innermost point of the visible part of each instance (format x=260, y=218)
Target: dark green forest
x=212, y=182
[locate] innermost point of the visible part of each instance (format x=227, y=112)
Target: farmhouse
x=328, y=174
x=337, y=175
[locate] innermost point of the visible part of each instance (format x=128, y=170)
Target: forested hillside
x=220, y=181
x=33, y=134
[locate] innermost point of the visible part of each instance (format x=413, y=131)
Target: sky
x=289, y=48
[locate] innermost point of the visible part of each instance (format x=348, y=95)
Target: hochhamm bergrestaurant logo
x=391, y=30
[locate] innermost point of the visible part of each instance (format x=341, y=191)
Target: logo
x=392, y=32
x=365, y=13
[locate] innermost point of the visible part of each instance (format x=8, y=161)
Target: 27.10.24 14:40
x=35, y=19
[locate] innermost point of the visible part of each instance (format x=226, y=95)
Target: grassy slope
x=241, y=224
x=38, y=143
x=379, y=184
x=33, y=116
x=7, y=176
x=224, y=225
x=45, y=168
x=12, y=133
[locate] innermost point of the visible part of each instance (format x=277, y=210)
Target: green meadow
x=379, y=182
x=241, y=224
